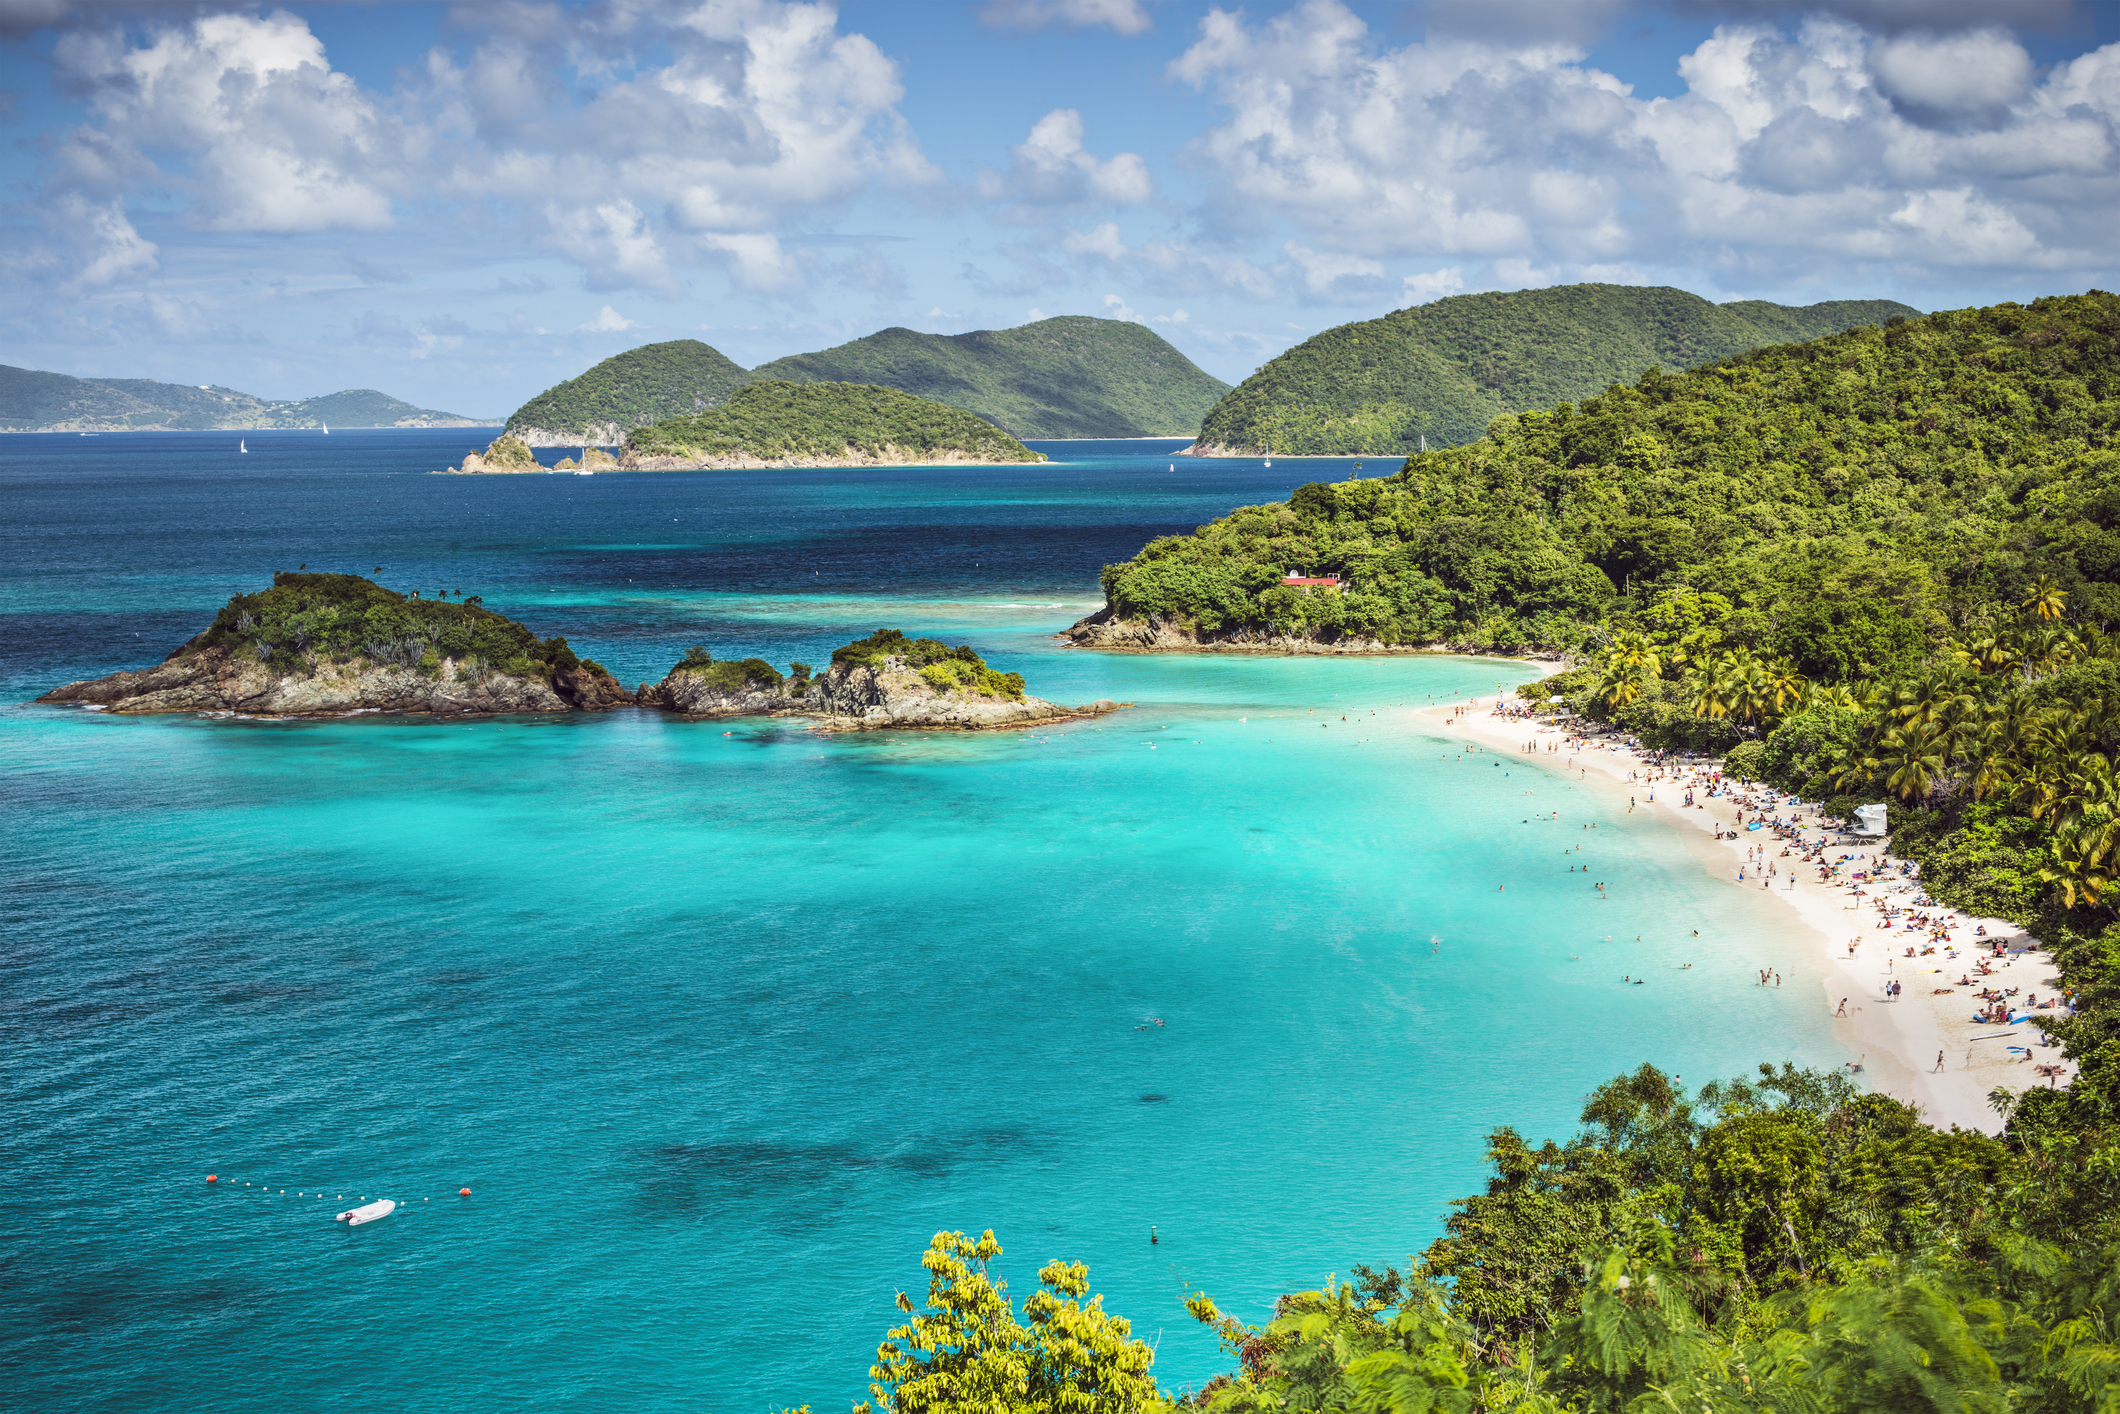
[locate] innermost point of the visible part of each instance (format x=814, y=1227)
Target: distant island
x=31, y=401
x=787, y=425
x=1437, y=374
x=1072, y=376
x=325, y=645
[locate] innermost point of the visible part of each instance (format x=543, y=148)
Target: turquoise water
x=720, y=1022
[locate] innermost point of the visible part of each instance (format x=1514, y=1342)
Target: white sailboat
x=241, y=446
x=327, y=429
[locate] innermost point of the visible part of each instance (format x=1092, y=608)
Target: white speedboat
x=367, y=1212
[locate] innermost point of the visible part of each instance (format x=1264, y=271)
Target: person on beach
x=1843, y=1007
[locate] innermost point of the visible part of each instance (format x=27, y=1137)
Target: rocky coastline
x=1103, y=631
x=213, y=678
x=881, y=692
x=859, y=697
x=512, y=456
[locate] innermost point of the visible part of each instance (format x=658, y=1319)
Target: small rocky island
x=766, y=425
x=328, y=644
x=884, y=680
x=322, y=645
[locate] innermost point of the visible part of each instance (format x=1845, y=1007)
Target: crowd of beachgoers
x=1782, y=841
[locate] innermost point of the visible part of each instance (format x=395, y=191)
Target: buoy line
x=371, y=1211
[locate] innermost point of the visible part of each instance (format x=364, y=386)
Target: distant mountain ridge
x=1071, y=376
x=34, y=401
x=1445, y=370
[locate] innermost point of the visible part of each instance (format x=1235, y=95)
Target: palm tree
x=2047, y=602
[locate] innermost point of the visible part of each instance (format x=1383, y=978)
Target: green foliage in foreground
x=635, y=388
x=825, y=422
x=945, y=669
x=1785, y=1244
x=1850, y=502
x=1446, y=370
x=1070, y=376
x=306, y=620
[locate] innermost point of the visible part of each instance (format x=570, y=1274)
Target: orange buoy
x=213, y=1178
x=464, y=1192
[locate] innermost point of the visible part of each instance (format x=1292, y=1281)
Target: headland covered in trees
x=1069, y=376
x=1436, y=374
x=786, y=425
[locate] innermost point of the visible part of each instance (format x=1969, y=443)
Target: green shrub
x=346, y=618
x=1745, y=761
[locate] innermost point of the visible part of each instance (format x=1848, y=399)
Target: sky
x=461, y=204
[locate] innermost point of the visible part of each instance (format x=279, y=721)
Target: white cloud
x=1118, y=308
x=1431, y=285
x=757, y=261
x=607, y=321
x=265, y=136
x=1051, y=168
x=102, y=241
x=1125, y=16
x=1955, y=73
x=1784, y=153
x=1337, y=277
x=1171, y=264
x=632, y=136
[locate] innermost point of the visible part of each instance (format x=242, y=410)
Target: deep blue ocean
x=720, y=1022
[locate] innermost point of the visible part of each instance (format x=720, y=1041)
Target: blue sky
x=461, y=204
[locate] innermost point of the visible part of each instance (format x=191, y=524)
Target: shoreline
x=1896, y=1040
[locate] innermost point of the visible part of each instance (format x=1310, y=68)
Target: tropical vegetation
x=308, y=620
x=827, y=422
x=1443, y=371
x=1070, y=376
x=945, y=669
x=1785, y=1244
x=633, y=389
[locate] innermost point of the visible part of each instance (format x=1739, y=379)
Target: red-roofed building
x=1298, y=581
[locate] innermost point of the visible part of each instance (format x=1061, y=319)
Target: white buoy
x=367, y=1212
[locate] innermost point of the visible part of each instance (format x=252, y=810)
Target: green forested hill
x=31, y=401
x=629, y=390
x=1072, y=376
x=824, y=422
x=1855, y=500
x=1447, y=369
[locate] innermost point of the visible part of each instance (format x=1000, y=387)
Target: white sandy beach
x=1897, y=1038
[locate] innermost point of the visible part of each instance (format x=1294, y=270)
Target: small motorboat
x=367, y=1212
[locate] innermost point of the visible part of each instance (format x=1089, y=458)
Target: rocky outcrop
x=215, y=680
x=593, y=459
x=1216, y=449
x=502, y=454
x=598, y=434
x=1103, y=630
x=886, y=455
x=852, y=697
